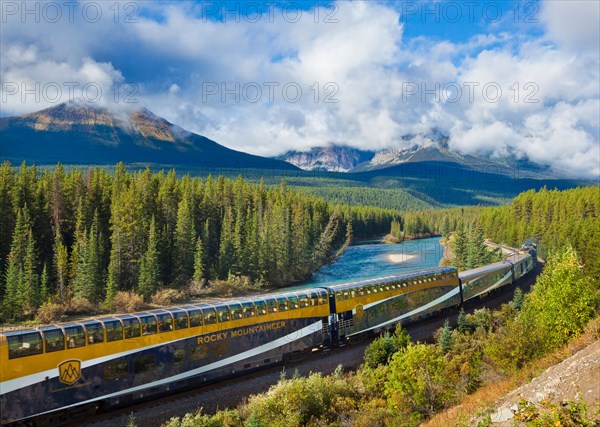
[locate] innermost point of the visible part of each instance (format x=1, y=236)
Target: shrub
x=80, y=306
x=303, y=401
x=233, y=286
x=128, y=302
x=548, y=413
x=226, y=418
x=418, y=382
x=167, y=297
x=381, y=350
x=562, y=300
x=50, y=312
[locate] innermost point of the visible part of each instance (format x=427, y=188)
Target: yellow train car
x=58, y=371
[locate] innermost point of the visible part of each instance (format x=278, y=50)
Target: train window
x=148, y=324
x=144, y=363
x=24, y=344
x=271, y=305
x=303, y=300
x=116, y=370
x=181, y=319
x=282, y=303
x=210, y=315
x=248, y=309
x=75, y=336
x=114, y=330
x=178, y=357
x=132, y=327
x=165, y=322
x=353, y=293
x=293, y=302
x=95, y=332
x=360, y=291
x=261, y=307
x=314, y=299
x=236, y=311
x=54, y=338
x=195, y=317
x=223, y=314
x=323, y=298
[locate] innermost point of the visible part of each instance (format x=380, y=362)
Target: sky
x=500, y=78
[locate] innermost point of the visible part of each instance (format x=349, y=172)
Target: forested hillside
x=89, y=234
x=551, y=218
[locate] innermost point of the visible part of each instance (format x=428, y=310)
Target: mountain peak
x=89, y=134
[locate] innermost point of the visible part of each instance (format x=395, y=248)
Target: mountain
x=79, y=134
x=428, y=147
x=333, y=158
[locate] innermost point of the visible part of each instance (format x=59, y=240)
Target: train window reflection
x=248, y=309
x=132, y=327
x=282, y=303
x=293, y=302
x=261, y=307
x=223, y=314
x=210, y=315
x=236, y=311
x=114, y=330
x=95, y=332
x=303, y=300
x=75, y=336
x=271, y=305
x=148, y=324
x=195, y=318
x=24, y=344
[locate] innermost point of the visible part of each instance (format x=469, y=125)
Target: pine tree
x=30, y=287
x=44, y=285
x=445, y=339
x=460, y=248
x=150, y=275
x=477, y=251
x=199, y=261
x=61, y=265
x=15, y=295
x=185, y=241
x=518, y=299
x=462, y=322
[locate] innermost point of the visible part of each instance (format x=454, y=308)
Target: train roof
x=392, y=278
x=309, y=292
x=511, y=259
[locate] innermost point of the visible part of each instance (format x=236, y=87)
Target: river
x=372, y=258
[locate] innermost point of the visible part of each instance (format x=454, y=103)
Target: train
x=55, y=374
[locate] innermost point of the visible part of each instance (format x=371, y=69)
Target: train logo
x=359, y=311
x=69, y=371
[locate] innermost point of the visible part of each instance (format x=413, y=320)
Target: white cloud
x=173, y=54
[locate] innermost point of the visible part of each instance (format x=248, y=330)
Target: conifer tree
x=149, y=280
x=185, y=241
x=460, y=248
x=445, y=339
x=199, y=260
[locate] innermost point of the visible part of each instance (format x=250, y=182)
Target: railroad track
x=231, y=392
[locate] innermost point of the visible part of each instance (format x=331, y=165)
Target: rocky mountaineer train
x=54, y=374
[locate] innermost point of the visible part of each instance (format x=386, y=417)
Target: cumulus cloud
x=347, y=75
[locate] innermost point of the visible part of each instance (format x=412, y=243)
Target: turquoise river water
x=369, y=259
